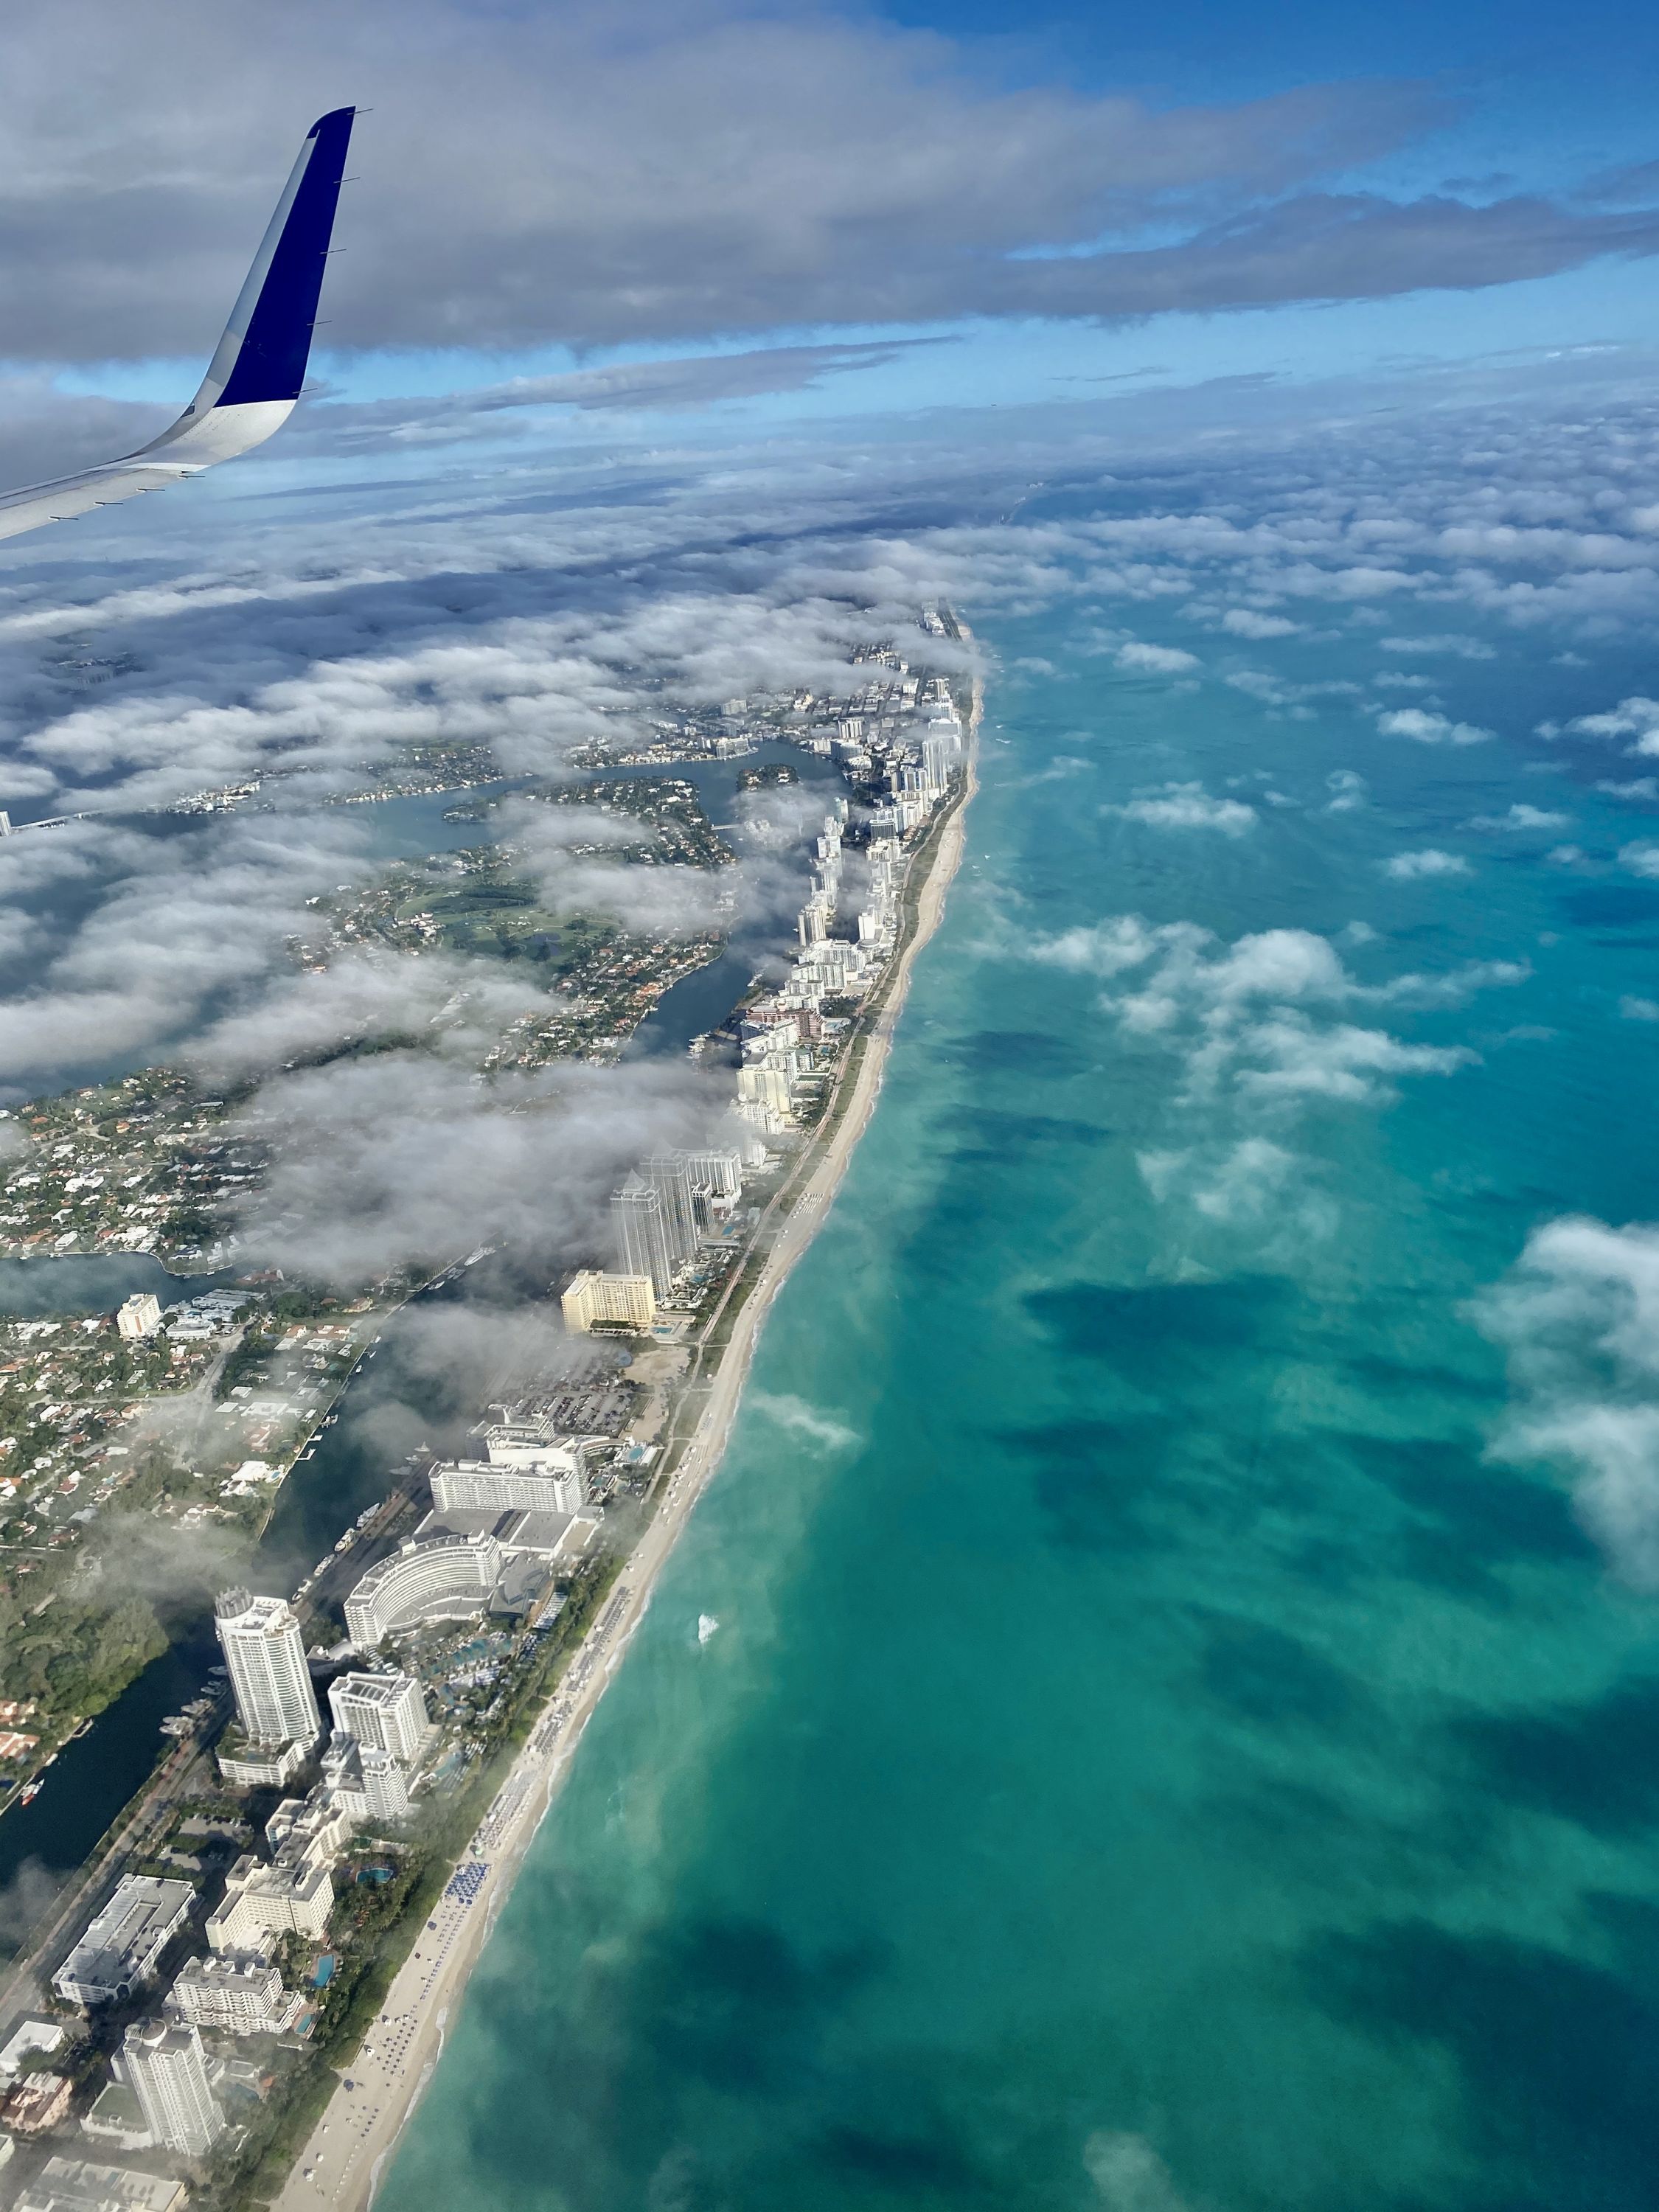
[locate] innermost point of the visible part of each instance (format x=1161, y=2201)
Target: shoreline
x=356, y=2133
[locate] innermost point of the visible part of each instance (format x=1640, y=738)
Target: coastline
x=356, y=2133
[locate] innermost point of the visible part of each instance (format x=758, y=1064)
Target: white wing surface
x=256, y=372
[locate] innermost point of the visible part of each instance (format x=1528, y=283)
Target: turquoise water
x=1155, y=1755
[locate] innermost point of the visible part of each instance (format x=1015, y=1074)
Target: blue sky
x=660, y=214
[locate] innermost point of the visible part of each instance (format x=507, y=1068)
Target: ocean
x=1174, y=1738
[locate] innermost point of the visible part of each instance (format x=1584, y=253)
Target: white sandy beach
x=341, y=2165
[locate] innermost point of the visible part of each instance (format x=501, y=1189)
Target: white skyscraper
x=166, y=2070
x=668, y=1174
x=645, y=1242
x=717, y=1170
x=266, y=1655
x=381, y=1712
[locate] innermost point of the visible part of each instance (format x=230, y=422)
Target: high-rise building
x=667, y=1174
x=718, y=1169
x=240, y=1994
x=138, y=1316
x=591, y=1297
x=166, y=2070
x=555, y=1483
x=266, y=1654
x=381, y=1712
x=645, y=1245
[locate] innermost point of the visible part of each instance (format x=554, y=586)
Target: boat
x=28, y=1793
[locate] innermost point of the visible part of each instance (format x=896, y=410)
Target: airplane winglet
x=258, y=365
x=262, y=355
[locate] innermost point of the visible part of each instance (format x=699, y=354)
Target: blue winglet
x=271, y=363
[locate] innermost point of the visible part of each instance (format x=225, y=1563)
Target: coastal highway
x=343, y=2162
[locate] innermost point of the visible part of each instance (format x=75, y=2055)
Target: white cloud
x=1349, y=791
x=1187, y=807
x=1409, y=867
x=1640, y=860
x=1639, y=1010
x=1579, y=1316
x=1635, y=717
x=1245, y=622
x=1129, y=2174
x=1428, y=729
x=1142, y=660
x=1463, y=648
x=1520, y=817
x=1250, y=1021
x=801, y=1419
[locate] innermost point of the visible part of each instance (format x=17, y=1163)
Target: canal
x=388, y=1408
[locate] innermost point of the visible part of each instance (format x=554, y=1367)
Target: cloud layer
x=592, y=175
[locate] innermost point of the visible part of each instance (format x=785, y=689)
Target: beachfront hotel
x=381, y=1712
x=445, y=1578
x=591, y=1297
x=165, y=2068
x=266, y=1654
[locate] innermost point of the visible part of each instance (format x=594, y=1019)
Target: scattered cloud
x=1635, y=717
x=1520, y=818
x=1448, y=642
x=1129, y=2175
x=1187, y=807
x=1410, y=867
x=1142, y=660
x=1430, y=729
x=1578, y=1315
x=801, y=1419
x=1245, y=622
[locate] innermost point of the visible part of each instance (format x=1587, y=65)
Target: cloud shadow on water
x=1558, y=2057
x=1174, y=1326
x=1594, y=1764
x=1260, y=1674
x=1031, y=1053
x=1098, y=1483
x=1470, y=1520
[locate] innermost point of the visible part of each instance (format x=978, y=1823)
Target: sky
x=612, y=217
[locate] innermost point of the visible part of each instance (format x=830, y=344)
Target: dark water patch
x=1388, y=1378
x=1030, y=1053
x=1558, y=2057
x=1292, y=1823
x=1171, y=1324
x=735, y=2003
x=1473, y=1518
x=700, y=2010
x=1095, y=1482
x=1596, y=1764
x=992, y=1135
x=907, y=2168
x=1264, y=1674
x=1610, y=906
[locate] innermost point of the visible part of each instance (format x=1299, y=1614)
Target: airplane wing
x=256, y=372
